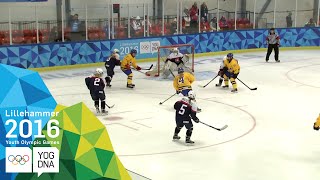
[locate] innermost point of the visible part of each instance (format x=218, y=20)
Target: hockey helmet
x=99, y=71
x=133, y=51
x=117, y=56
x=229, y=56
x=180, y=70
x=116, y=51
x=191, y=95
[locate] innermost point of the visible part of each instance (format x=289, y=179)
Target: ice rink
x=270, y=134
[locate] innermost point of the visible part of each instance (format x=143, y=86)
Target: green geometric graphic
x=85, y=148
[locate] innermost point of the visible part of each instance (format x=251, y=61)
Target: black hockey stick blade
x=210, y=81
x=147, y=68
x=167, y=99
x=252, y=89
x=110, y=106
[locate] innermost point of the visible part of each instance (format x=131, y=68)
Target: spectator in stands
x=77, y=29
x=135, y=26
x=173, y=26
x=193, y=12
x=289, y=20
x=204, y=11
x=204, y=25
x=311, y=23
x=75, y=23
x=146, y=22
x=214, y=24
x=186, y=21
x=223, y=23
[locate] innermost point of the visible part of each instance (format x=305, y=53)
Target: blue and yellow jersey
x=128, y=60
x=184, y=82
x=317, y=124
x=233, y=66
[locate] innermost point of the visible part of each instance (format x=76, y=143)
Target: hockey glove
x=178, y=92
x=128, y=66
x=196, y=120
x=138, y=68
x=316, y=128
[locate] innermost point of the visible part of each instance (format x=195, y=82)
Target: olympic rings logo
x=18, y=159
x=144, y=47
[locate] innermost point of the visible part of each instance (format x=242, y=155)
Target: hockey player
x=182, y=82
x=111, y=62
x=128, y=61
x=232, y=72
x=222, y=71
x=316, y=125
x=186, y=109
x=96, y=86
x=175, y=60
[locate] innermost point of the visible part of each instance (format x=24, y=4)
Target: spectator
x=135, y=26
x=223, y=23
x=311, y=23
x=186, y=21
x=77, y=29
x=193, y=12
x=204, y=11
x=173, y=26
x=214, y=24
x=289, y=20
x=146, y=22
x=204, y=26
x=75, y=23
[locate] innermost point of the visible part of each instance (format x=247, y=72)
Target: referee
x=273, y=42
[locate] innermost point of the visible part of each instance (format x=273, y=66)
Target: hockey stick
x=147, y=68
x=109, y=106
x=219, y=129
x=210, y=81
x=252, y=89
x=167, y=99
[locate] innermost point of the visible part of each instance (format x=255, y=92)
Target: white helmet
x=99, y=71
x=191, y=95
x=116, y=51
x=117, y=56
x=138, y=18
x=176, y=50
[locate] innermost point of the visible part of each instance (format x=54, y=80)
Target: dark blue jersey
x=111, y=63
x=95, y=84
x=185, y=111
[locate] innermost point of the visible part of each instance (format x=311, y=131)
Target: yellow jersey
x=184, y=82
x=233, y=66
x=128, y=60
x=317, y=124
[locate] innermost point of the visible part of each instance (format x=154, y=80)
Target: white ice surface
x=270, y=135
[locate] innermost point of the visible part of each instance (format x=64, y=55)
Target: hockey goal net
x=187, y=50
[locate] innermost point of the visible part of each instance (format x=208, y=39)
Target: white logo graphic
x=144, y=47
x=18, y=159
x=45, y=159
x=154, y=46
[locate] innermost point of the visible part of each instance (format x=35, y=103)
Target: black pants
x=276, y=51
